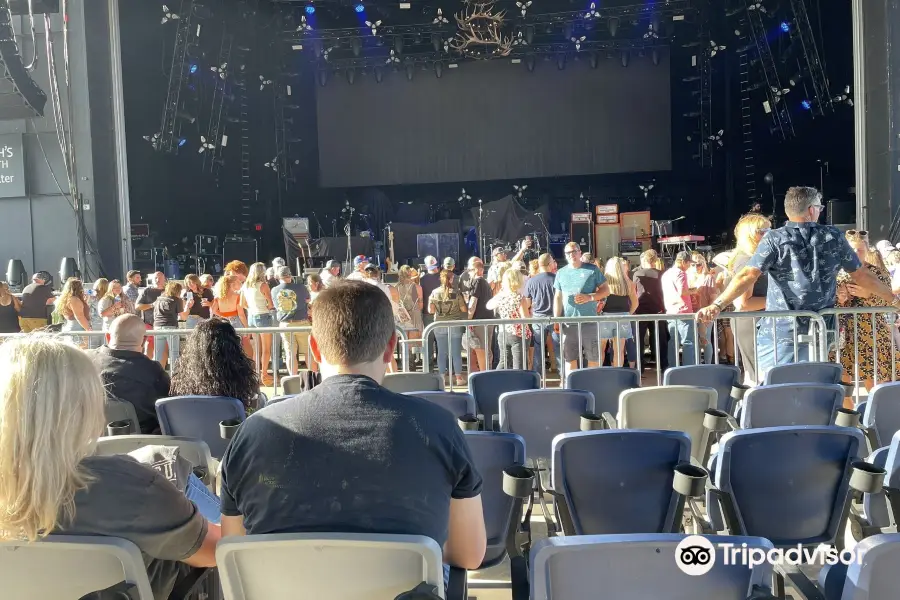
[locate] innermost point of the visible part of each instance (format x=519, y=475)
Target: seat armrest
x=457, y=585
x=802, y=587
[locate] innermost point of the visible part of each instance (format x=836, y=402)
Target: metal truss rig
x=212, y=157
x=184, y=30
x=802, y=30
x=438, y=34
x=778, y=109
x=707, y=143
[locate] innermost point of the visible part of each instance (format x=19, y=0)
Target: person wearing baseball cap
x=449, y=264
x=359, y=267
x=331, y=273
x=429, y=282
x=431, y=264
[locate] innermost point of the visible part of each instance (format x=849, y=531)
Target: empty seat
x=336, y=566
x=787, y=404
x=540, y=415
x=459, y=404
x=71, y=567
x=619, y=481
x=670, y=408
x=873, y=576
x=718, y=377
x=194, y=451
x=487, y=386
x=882, y=412
x=638, y=567
x=605, y=383
x=805, y=372
x=790, y=485
x=198, y=417
x=303, y=381
x=400, y=383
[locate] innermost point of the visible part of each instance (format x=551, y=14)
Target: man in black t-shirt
x=36, y=297
x=648, y=281
x=477, y=292
x=351, y=456
x=144, y=305
x=539, y=292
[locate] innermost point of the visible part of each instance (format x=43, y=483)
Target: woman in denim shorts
x=256, y=298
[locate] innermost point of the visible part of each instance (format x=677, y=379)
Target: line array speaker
x=20, y=96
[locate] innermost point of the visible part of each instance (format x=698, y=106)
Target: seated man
x=129, y=375
x=350, y=456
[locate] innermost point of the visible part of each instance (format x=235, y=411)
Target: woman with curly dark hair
x=212, y=363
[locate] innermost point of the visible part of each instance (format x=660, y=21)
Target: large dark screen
x=495, y=120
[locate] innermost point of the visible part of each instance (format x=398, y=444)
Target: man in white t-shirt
x=359, y=266
x=331, y=273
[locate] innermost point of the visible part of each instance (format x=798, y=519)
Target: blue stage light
x=182, y=142
x=310, y=9
x=785, y=26
x=359, y=7
x=193, y=69
x=806, y=105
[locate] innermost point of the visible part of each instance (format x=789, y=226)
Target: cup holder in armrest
x=469, y=423
x=591, y=422
x=866, y=477
x=738, y=391
x=845, y=417
x=118, y=428
x=228, y=427
x=690, y=480
x=518, y=482
x=716, y=420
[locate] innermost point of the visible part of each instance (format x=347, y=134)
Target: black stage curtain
x=508, y=221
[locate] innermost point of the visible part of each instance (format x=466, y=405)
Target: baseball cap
x=359, y=260
x=498, y=250
x=431, y=263
x=449, y=263
x=332, y=264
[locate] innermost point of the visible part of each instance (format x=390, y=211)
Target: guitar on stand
x=390, y=261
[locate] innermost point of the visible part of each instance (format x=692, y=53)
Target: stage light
x=182, y=142
x=438, y=69
x=626, y=56
x=359, y=7
x=561, y=61
x=351, y=75
x=193, y=69
x=785, y=26
x=806, y=105
x=379, y=74
x=530, y=63
x=613, y=25
x=310, y=9
x=356, y=46
x=410, y=71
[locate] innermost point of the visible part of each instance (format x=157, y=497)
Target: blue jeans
x=540, y=334
x=686, y=340
x=192, y=321
x=206, y=502
x=707, y=330
x=455, y=348
x=174, y=342
x=778, y=351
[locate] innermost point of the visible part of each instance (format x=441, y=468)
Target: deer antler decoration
x=480, y=32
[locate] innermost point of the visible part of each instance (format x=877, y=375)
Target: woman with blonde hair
x=51, y=482
x=409, y=296
x=201, y=297
x=72, y=305
x=114, y=303
x=701, y=279
x=256, y=298
x=94, y=295
x=748, y=232
x=9, y=310
x=622, y=300
x=511, y=304
x=226, y=304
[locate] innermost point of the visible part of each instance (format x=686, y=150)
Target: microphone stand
x=546, y=229
x=318, y=223
x=349, y=210
x=587, y=207
x=481, y=230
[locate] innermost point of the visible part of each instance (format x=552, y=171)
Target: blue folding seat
x=400, y=383
x=606, y=384
x=198, y=417
x=881, y=414
x=805, y=372
x=722, y=378
x=459, y=404
x=874, y=575
x=487, y=387
x=640, y=567
x=788, y=404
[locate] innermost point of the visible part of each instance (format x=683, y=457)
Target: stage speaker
x=635, y=224
x=606, y=240
x=580, y=230
x=20, y=96
x=16, y=276
x=841, y=212
x=438, y=245
x=243, y=250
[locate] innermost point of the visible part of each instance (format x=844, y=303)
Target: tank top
x=256, y=301
x=616, y=304
x=9, y=319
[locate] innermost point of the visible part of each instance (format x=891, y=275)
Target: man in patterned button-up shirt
x=802, y=260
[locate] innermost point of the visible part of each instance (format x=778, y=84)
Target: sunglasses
x=857, y=233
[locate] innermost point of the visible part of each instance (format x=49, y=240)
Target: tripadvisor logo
x=696, y=555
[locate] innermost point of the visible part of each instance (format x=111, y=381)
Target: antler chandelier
x=480, y=31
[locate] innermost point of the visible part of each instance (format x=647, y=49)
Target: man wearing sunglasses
x=802, y=260
x=579, y=286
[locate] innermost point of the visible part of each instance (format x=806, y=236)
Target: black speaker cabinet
x=841, y=212
x=242, y=250
x=20, y=96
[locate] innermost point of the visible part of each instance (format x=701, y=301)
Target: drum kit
x=510, y=249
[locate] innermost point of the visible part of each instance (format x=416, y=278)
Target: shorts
x=479, y=337
x=588, y=344
x=615, y=329
x=235, y=321
x=301, y=338
x=263, y=320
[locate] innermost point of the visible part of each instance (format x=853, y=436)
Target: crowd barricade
x=863, y=338
x=593, y=333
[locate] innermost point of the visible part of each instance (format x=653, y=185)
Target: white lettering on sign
x=7, y=178
x=6, y=152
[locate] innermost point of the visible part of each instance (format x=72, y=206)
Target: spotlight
x=438, y=69
x=410, y=71
x=359, y=7
x=626, y=56
x=806, y=105
x=785, y=26
x=356, y=46
x=323, y=77
x=561, y=62
x=182, y=142
x=185, y=116
x=613, y=25
x=351, y=75
x=529, y=34
x=529, y=63
x=379, y=74
x=310, y=9
x=593, y=60
x=654, y=54
x=193, y=69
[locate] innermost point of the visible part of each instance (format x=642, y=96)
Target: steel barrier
x=279, y=335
